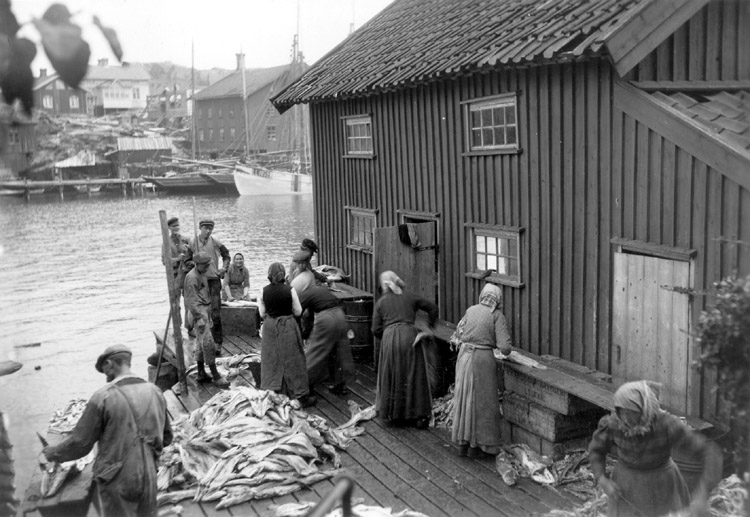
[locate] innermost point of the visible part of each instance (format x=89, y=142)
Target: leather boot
x=202, y=375
x=219, y=381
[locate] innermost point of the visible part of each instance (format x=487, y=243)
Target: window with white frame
x=47, y=102
x=271, y=133
x=200, y=135
x=492, y=124
x=221, y=135
x=14, y=137
x=361, y=223
x=496, y=254
x=74, y=102
x=270, y=110
x=232, y=133
x=358, y=131
x=136, y=93
x=210, y=135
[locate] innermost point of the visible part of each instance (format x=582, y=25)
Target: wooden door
x=415, y=265
x=650, y=325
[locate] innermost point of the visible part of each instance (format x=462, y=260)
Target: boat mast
x=192, y=97
x=244, y=100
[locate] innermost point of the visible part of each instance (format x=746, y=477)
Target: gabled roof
x=131, y=72
x=41, y=82
x=255, y=79
x=417, y=41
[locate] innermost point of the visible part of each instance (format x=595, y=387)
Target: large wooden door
x=415, y=265
x=651, y=323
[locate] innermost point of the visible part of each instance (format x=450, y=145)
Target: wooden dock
x=392, y=467
x=28, y=187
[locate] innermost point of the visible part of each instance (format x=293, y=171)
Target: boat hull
x=192, y=184
x=254, y=181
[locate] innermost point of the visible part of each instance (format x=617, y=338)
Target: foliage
x=62, y=42
x=723, y=333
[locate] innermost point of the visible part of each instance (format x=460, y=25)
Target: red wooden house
x=591, y=156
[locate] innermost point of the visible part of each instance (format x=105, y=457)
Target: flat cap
x=109, y=352
x=206, y=222
x=201, y=258
x=172, y=220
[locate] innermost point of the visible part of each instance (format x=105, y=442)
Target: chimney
x=42, y=72
x=103, y=62
x=240, y=61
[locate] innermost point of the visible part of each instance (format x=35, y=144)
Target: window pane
x=497, y=116
x=499, y=135
x=481, y=262
x=368, y=130
x=487, y=136
x=510, y=135
x=510, y=114
x=513, y=248
x=491, y=262
x=512, y=267
x=481, y=247
x=476, y=119
x=476, y=137
x=503, y=266
x=486, y=117
x=491, y=245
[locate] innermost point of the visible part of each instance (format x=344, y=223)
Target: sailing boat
x=280, y=172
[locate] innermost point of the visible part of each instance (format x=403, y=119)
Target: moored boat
x=194, y=183
x=259, y=181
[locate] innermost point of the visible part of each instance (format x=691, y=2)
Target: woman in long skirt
x=403, y=389
x=476, y=409
x=646, y=482
x=282, y=358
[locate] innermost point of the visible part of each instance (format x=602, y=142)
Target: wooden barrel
x=359, y=318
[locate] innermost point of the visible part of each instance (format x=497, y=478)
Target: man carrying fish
x=128, y=419
x=198, y=305
x=216, y=251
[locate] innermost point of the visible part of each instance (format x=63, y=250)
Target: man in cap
x=178, y=246
x=217, y=252
x=8, y=503
x=198, y=305
x=128, y=419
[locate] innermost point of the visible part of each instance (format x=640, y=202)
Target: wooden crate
x=547, y=423
x=512, y=433
x=239, y=321
x=545, y=394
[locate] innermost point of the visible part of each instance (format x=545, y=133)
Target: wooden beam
x=691, y=86
x=727, y=158
x=645, y=30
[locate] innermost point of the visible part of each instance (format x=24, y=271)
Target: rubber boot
x=219, y=381
x=202, y=375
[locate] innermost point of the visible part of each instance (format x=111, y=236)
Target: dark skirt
x=403, y=391
x=328, y=351
x=282, y=359
x=476, y=405
x=647, y=493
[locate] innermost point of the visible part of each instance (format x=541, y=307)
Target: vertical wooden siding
x=714, y=45
x=586, y=173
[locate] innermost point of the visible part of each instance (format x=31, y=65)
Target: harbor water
x=81, y=274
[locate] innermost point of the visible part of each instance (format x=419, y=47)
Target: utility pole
x=192, y=98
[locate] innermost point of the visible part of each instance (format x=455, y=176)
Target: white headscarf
x=389, y=281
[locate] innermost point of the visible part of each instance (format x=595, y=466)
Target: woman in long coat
x=403, y=389
x=476, y=410
x=646, y=482
x=282, y=358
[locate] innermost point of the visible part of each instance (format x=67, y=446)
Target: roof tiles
x=417, y=41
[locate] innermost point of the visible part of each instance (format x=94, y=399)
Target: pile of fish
x=230, y=366
x=55, y=474
x=246, y=443
x=442, y=409
x=359, y=509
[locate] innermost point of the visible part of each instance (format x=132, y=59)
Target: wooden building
x=592, y=157
x=114, y=89
x=220, y=114
x=54, y=97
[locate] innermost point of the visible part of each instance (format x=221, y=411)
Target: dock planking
x=393, y=467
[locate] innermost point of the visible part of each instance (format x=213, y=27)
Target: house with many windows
x=226, y=125
x=54, y=97
x=115, y=89
x=592, y=158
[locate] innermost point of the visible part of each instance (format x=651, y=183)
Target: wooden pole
x=174, y=303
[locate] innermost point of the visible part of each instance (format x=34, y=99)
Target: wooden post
x=174, y=302
x=125, y=189
x=60, y=190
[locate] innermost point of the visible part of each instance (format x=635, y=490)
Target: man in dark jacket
x=128, y=419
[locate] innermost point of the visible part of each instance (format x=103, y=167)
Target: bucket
x=359, y=319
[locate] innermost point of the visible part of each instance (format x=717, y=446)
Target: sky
x=163, y=30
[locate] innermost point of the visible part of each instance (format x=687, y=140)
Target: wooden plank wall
x=586, y=173
x=713, y=45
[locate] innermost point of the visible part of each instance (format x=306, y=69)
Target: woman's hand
x=610, y=487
